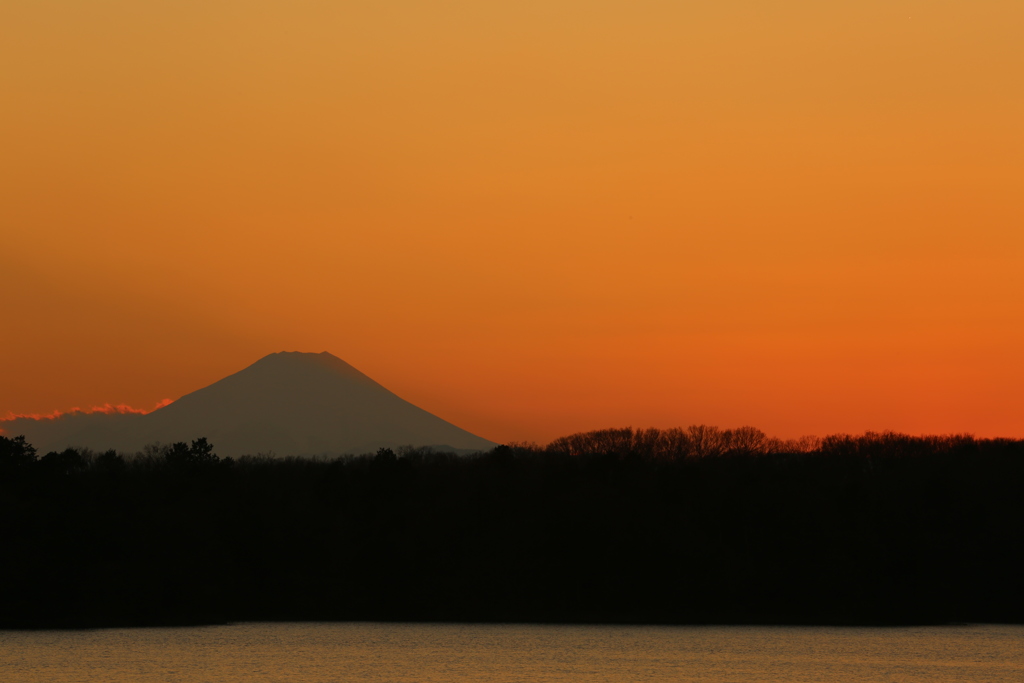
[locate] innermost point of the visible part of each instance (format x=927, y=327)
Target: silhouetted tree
x=747, y=440
x=179, y=454
x=16, y=453
x=69, y=461
x=109, y=460
x=705, y=441
x=199, y=453
x=202, y=451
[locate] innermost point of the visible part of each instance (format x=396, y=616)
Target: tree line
x=695, y=525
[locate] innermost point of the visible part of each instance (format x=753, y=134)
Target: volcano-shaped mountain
x=286, y=403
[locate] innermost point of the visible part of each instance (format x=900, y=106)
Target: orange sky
x=530, y=218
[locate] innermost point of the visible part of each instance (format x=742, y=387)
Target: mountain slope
x=287, y=403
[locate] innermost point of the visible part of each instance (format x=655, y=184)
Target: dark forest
x=618, y=526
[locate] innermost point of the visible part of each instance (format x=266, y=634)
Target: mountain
x=287, y=403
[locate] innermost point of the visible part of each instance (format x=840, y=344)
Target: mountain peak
x=303, y=363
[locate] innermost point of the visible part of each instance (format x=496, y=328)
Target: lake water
x=330, y=652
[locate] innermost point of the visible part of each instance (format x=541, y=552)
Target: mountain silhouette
x=287, y=403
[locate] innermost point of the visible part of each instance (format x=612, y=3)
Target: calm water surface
x=318, y=653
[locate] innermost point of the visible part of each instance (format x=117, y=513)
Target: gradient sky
x=530, y=218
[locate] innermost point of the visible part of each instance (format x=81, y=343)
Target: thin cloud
x=105, y=409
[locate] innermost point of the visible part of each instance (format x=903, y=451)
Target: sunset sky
x=529, y=218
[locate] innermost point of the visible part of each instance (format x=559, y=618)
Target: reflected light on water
x=332, y=652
